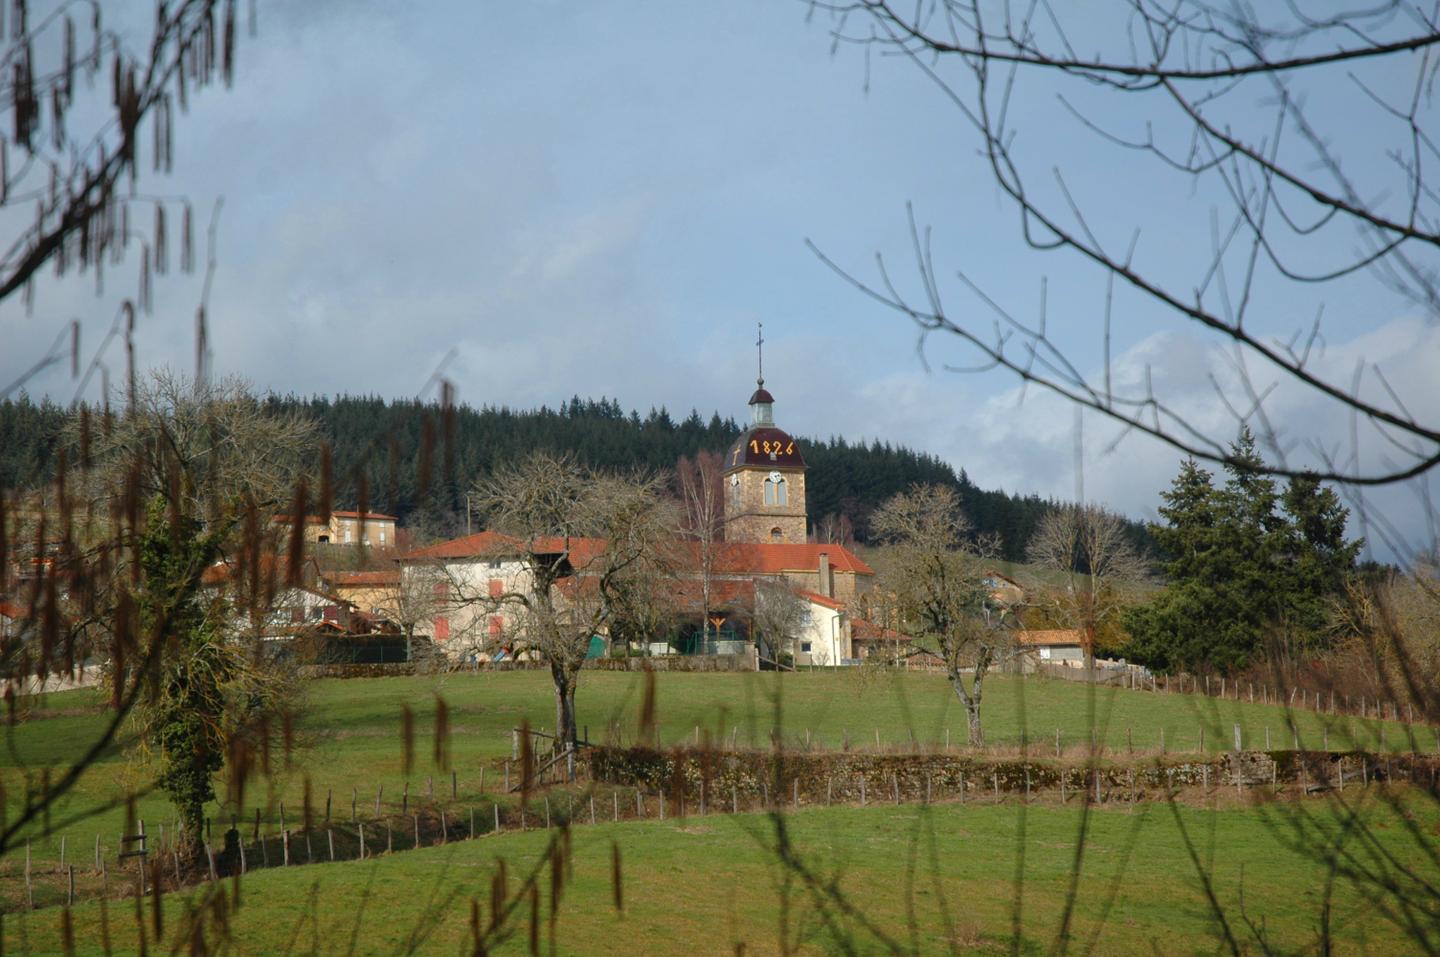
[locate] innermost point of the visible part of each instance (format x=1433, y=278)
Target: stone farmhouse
x=345, y=528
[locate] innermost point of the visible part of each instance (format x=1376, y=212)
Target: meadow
x=925, y=878
x=694, y=879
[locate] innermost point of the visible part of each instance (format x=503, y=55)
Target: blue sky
x=605, y=199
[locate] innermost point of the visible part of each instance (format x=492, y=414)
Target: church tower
x=764, y=476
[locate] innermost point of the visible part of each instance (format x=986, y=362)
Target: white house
x=823, y=637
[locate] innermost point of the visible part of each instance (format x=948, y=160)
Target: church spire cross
x=760, y=354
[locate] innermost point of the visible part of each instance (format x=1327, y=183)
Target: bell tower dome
x=764, y=476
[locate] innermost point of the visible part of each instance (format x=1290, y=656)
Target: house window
x=782, y=493
x=769, y=492
x=324, y=539
x=776, y=535
x=382, y=536
x=441, y=589
x=495, y=563
x=442, y=628
x=349, y=534
x=804, y=646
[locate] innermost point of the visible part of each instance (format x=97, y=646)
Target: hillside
x=384, y=443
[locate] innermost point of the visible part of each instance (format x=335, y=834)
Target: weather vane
x=760, y=354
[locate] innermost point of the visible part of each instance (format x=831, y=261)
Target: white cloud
x=1030, y=445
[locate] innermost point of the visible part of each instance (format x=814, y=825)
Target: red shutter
x=442, y=628
x=497, y=588
x=497, y=626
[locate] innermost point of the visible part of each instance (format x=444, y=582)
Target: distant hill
x=382, y=441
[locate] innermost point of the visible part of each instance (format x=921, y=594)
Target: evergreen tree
x=1244, y=562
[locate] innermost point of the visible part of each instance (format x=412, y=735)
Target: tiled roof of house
x=1050, y=636
x=373, y=578
x=338, y=513
x=11, y=610
x=772, y=559
x=730, y=558
x=489, y=544
x=824, y=600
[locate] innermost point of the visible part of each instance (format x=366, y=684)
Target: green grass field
x=925, y=877
x=349, y=739
x=348, y=742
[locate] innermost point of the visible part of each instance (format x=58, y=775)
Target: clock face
x=734, y=480
x=775, y=477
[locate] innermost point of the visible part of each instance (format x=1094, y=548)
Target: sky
x=550, y=199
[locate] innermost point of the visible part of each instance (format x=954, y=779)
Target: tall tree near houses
x=702, y=520
x=594, y=548
x=210, y=465
x=937, y=584
x=1089, y=547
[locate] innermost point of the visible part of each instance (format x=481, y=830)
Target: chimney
x=827, y=581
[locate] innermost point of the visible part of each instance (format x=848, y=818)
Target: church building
x=765, y=546
x=764, y=480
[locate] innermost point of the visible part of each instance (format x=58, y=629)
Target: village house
x=1056, y=646
x=766, y=544
x=345, y=528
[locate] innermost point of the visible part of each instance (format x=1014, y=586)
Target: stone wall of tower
x=749, y=519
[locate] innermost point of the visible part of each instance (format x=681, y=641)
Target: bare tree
x=76, y=144
x=936, y=583
x=414, y=600
x=593, y=547
x=1090, y=548
x=1234, y=104
x=779, y=612
x=702, y=521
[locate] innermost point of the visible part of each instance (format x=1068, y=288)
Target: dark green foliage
x=1245, y=564
x=378, y=444
x=184, y=712
x=29, y=439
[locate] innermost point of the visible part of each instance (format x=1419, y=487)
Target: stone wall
x=744, y=662
x=858, y=777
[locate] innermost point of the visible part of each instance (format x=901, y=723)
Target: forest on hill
x=385, y=445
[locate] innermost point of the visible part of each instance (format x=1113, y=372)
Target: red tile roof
x=12, y=611
x=388, y=576
x=1050, y=636
x=339, y=513
x=688, y=594
x=490, y=544
x=730, y=558
x=822, y=600
x=773, y=559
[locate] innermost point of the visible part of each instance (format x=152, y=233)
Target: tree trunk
x=564, y=705
x=971, y=700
